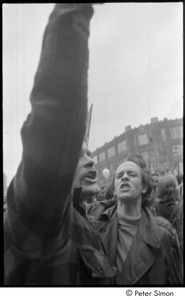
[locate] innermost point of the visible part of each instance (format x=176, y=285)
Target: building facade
x=160, y=143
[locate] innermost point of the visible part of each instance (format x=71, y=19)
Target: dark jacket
x=154, y=257
x=168, y=209
x=47, y=242
x=173, y=212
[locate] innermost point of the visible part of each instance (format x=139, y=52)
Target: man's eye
x=132, y=174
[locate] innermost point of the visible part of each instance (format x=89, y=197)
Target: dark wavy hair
x=167, y=188
x=146, y=177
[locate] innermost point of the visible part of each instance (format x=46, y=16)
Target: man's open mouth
x=125, y=187
x=91, y=176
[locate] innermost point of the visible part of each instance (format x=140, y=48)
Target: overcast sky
x=135, y=73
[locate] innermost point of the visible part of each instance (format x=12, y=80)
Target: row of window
x=177, y=150
x=142, y=139
x=176, y=132
x=111, y=152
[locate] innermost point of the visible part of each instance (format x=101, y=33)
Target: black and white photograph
x=93, y=147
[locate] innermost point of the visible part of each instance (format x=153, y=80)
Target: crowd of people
x=58, y=231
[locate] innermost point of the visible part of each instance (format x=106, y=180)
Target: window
x=122, y=146
x=143, y=139
x=111, y=152
x=163, y=134
x=177, y=150
x=102, y=156
x=179, y=132
x=176, y=132
x=172, y=133
x=95, y=159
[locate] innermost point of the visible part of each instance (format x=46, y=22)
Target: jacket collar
x=148, y=229
x=109, y=208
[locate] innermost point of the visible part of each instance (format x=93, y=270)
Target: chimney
x=154, y=120
x=128, y=128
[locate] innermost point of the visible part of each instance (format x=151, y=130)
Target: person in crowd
x=101, y=194
x=153, y=196
x=168, y=204
x=180, y=228
x=47, y=240
x=181, y=190
x=156, y=178
x=110, y=191
x=168, y=196
x=179, y=178
x=106, y=193
x=144, y=248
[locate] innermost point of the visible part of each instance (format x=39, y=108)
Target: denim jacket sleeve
x=38, y=216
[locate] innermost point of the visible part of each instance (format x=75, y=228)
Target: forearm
x=53, y=133
x=59, y=95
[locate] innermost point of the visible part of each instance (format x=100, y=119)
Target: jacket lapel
x=141, y=255
x=109, y=238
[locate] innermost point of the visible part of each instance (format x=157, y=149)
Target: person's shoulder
x=98, y=208
x=162, y=223
x=165, y=226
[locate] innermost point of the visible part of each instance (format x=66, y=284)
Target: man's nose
x=89, y=162
x=124, y=176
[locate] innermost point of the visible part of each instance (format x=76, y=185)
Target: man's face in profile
x=86, y=174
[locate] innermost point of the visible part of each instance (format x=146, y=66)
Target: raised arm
x=38, y=198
